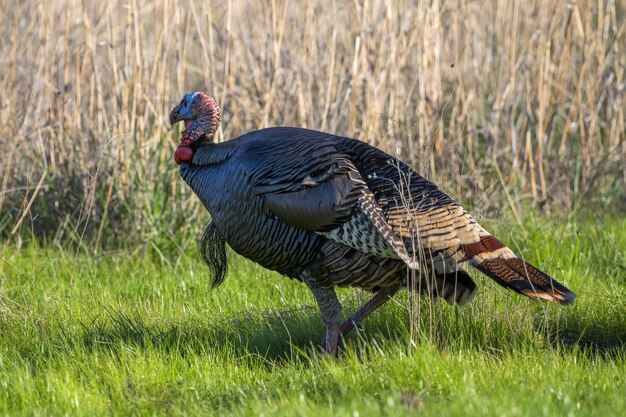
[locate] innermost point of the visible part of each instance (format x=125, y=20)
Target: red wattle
x=183, y=153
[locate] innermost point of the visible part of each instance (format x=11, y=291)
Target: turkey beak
x=175, y=115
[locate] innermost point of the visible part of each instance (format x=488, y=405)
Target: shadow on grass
x=296, y=333
x=595, y=338
x=273, y=335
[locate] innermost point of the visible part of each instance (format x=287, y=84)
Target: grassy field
x=512, y=107
x=131, y=333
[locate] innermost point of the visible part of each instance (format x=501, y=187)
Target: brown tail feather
x=495, y=260
x=525, y=279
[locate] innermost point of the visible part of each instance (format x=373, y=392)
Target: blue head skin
x=184, y=110
x=201, y=114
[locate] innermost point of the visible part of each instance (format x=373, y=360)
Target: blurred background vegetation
x=507, y=105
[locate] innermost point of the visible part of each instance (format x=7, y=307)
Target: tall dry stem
x=506, y=103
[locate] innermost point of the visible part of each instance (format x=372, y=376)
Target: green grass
x=128, y=333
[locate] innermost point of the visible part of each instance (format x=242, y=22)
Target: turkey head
x=202, y=117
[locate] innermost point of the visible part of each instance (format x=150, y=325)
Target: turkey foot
x=339, y=346
x=355, y=320
x=332, y=343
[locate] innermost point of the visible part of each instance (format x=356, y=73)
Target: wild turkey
x=329, y=210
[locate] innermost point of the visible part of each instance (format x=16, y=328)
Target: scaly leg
x=378, y=300
x=330, y=309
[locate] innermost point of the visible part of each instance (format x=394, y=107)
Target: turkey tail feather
x=498, y=262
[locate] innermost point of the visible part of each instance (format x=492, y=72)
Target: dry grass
x=503, y=102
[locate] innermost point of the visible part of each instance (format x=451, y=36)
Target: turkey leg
x=355, y=320
x=330, y=309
